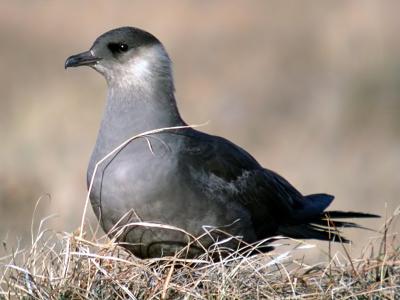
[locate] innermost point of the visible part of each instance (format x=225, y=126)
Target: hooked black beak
x=82, y=59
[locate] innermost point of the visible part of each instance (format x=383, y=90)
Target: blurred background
x=310, y=88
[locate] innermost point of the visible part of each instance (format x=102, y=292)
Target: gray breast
x=149, y=184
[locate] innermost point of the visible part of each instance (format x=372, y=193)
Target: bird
x=178, y=186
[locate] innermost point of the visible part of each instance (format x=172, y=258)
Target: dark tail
x=311, y=221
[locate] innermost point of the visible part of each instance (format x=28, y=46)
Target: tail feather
x=337, y=214
x=338, y=224
x=312, y=222
x=313, y=205
x=311, y=231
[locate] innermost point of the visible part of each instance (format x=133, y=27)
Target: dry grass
x=65, y=266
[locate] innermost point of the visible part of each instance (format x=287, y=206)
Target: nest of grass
x=69, y=266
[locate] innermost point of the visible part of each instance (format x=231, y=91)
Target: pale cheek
x=139, y=67
x=137, y=71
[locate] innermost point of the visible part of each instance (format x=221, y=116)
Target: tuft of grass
x=73, y=266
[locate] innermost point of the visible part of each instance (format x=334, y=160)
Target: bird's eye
x=123, y=47
x=117, y=48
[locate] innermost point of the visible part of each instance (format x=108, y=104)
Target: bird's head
x=127, y=57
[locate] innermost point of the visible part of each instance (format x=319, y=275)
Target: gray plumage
x=182, y=177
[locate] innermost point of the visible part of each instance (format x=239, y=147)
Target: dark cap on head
x=113, y=44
